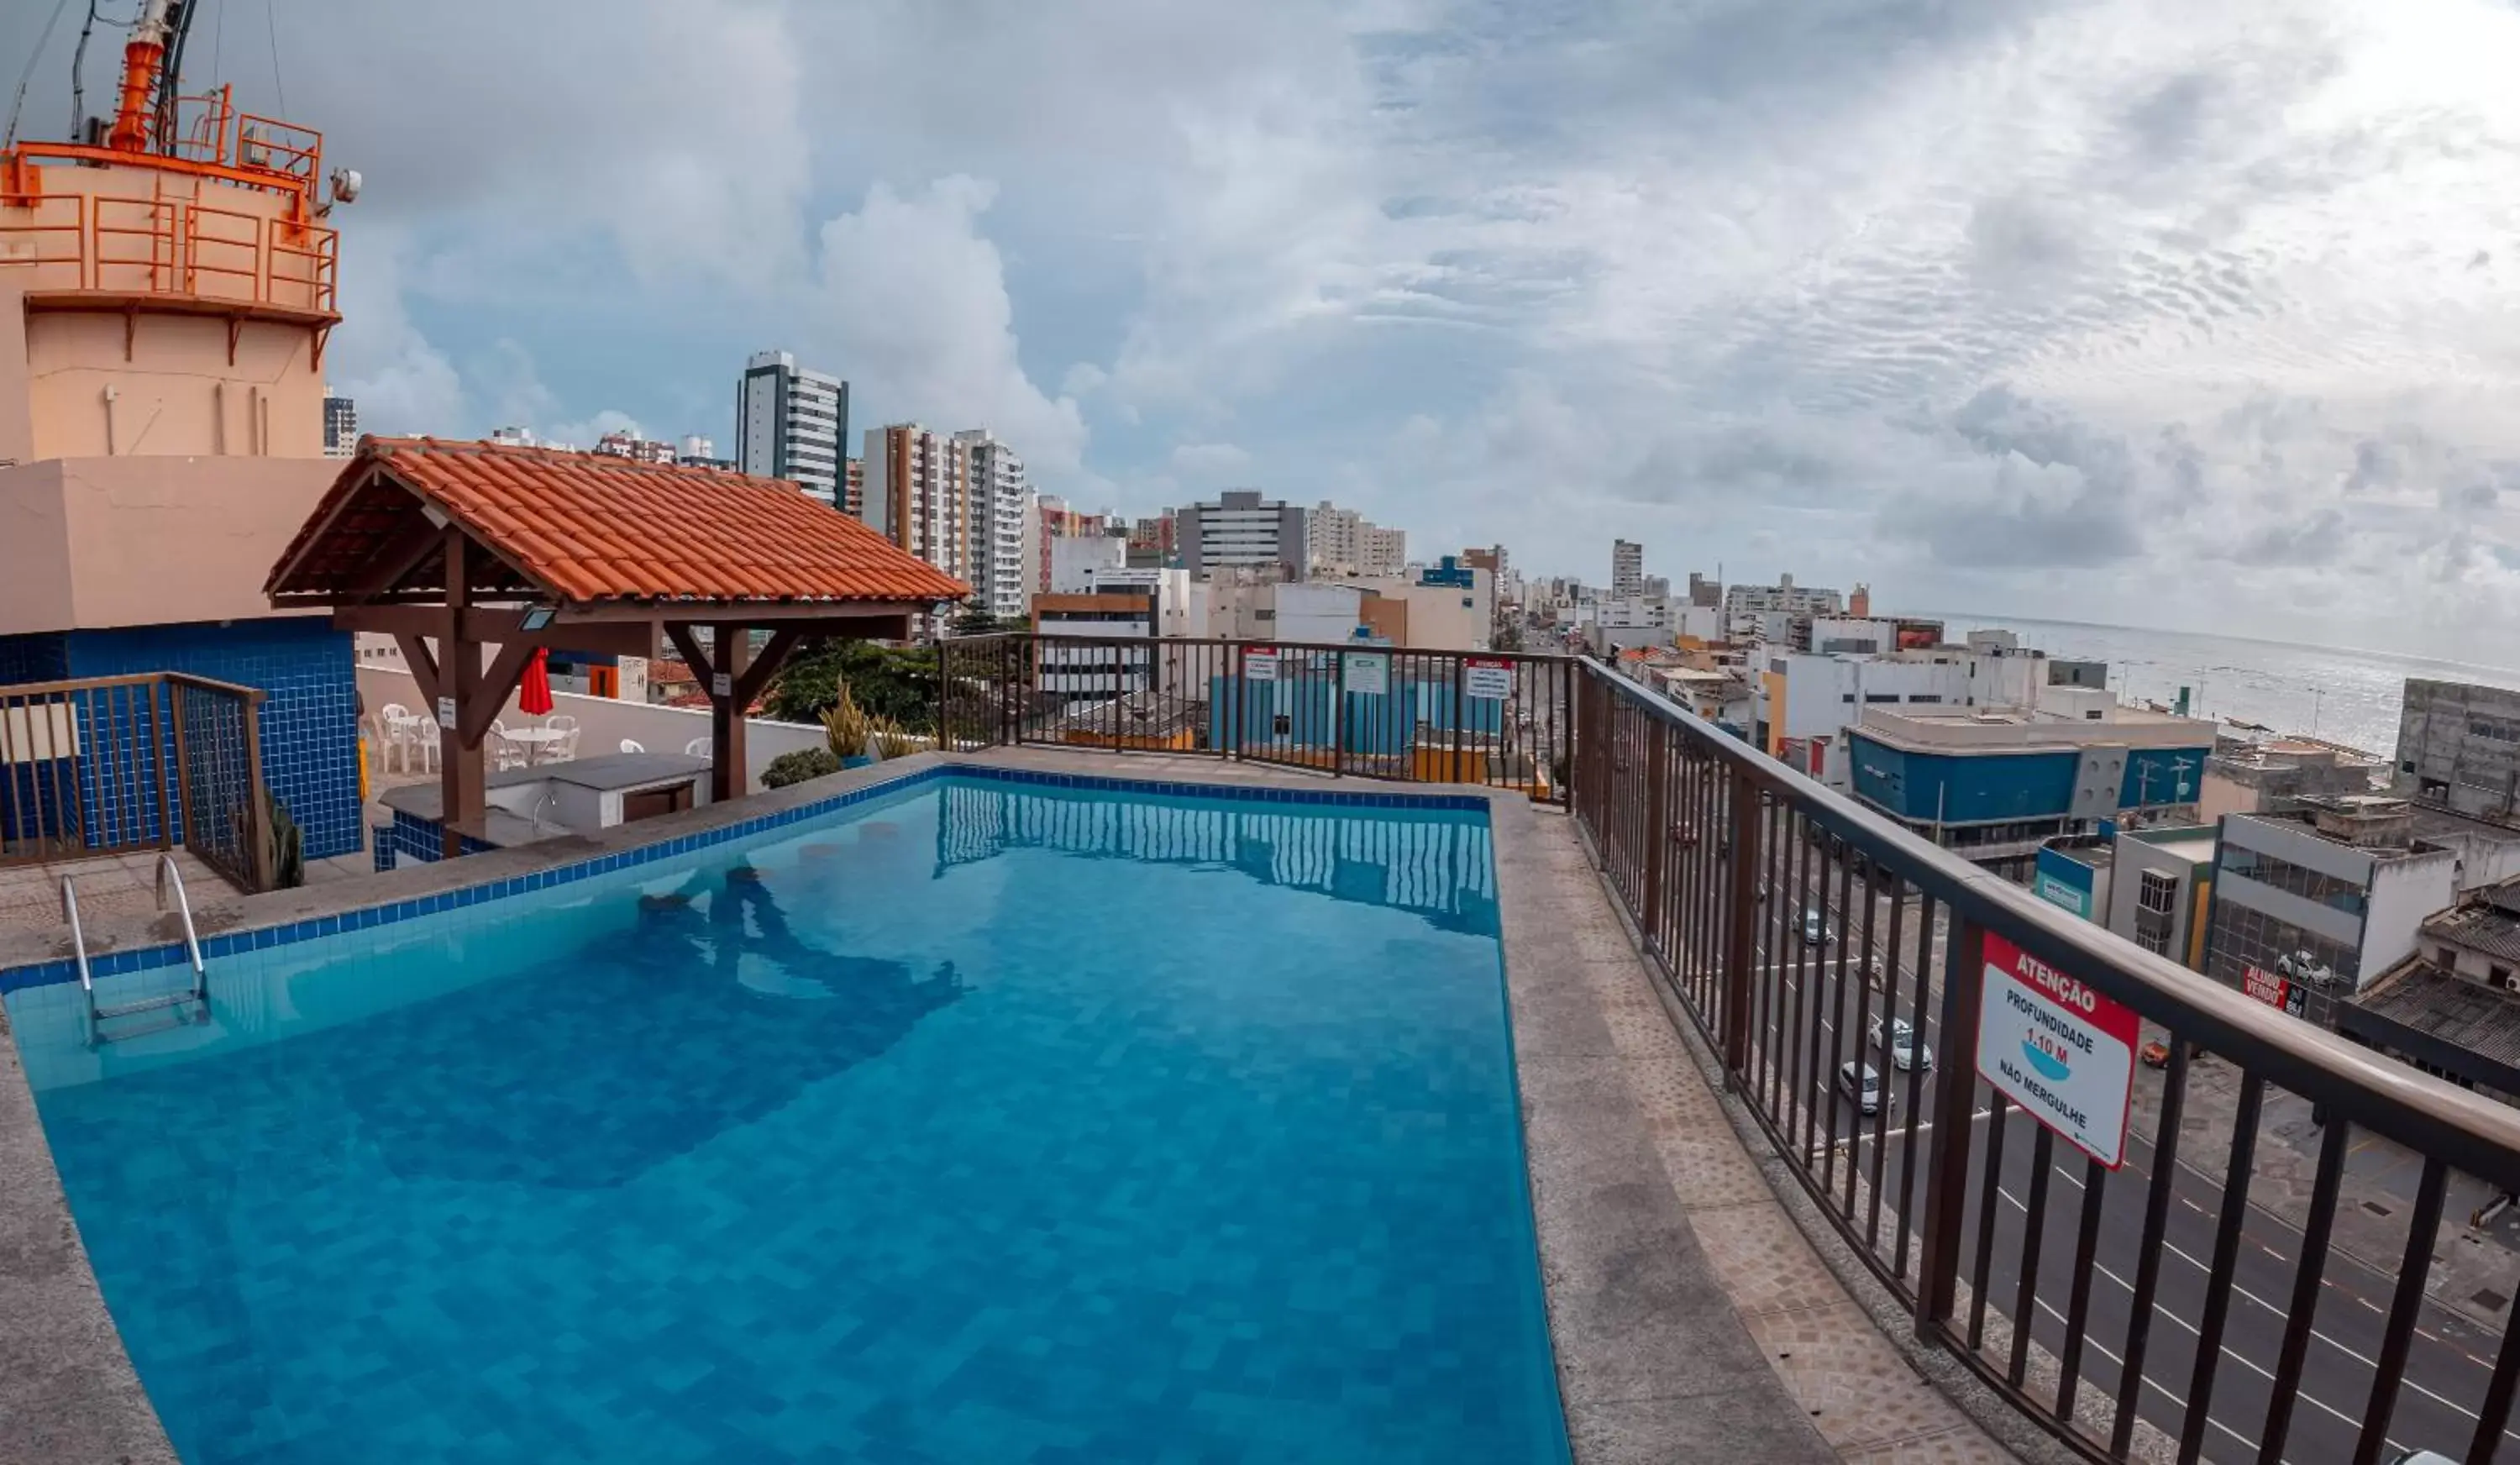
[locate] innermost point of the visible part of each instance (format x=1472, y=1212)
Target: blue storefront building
x=1992, y=786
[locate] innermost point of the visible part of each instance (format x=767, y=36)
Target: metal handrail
x=1694, y=830
x=78, y=948
x=167, y=871
x=2471, y=1132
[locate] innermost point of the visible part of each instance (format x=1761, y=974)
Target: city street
x=2450, y=1359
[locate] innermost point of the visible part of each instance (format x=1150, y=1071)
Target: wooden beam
x=727, y=778
x=501, y=628
x=774, y=655
x=461, y=785
x=398, y=557
x=424, y=670
x=496, y=683
x=680, y=633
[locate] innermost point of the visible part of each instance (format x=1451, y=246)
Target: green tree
x=894, y=681
x=975, y=621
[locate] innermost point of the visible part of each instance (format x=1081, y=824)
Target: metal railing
x=1496, y=719
x=170, y=246
x=2139, y=1310
x=118, y=765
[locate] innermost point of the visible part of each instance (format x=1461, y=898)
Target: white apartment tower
x=790, y=422
x=919, y=495
x=1627, y=569
x=1335, y=540
x=1001, y=507
x=1382, y=552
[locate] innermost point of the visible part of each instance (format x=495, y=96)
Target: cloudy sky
x=2141, y=311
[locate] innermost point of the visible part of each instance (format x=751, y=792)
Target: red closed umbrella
x=533, y=699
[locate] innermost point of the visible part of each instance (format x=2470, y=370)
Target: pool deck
x=1691, y=1318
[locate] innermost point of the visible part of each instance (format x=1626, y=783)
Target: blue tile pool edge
x=262, y=938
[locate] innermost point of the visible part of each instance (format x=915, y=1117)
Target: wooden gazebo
x=476, y=545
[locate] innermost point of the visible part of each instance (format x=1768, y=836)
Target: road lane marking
x=2175, y=1250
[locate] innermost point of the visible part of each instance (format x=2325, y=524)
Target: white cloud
x=402, y=384
x=1201, y=462
x=911, y=297
x=2158, y=309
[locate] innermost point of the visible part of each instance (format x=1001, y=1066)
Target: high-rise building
x=1242, y=532
x=341, y=426
x=790, y=422
x=1382, y=551
x=1627, y=569
x=920, y=495
x=1334, y=540
x=853, y=488
x=1000, y=502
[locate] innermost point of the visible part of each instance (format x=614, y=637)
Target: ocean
x=2344, y=696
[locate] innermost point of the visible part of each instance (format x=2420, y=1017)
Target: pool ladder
x=98, y=1016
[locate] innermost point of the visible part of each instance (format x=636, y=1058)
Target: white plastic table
x=537, y=740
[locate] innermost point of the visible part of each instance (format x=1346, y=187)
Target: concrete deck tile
x=1829, y=1358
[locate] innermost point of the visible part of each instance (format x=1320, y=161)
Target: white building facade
x=1382, y=551
x=1001, y=507
x=790, y=422
x=1242, y=532
x=1627, y=569
x=919, y=495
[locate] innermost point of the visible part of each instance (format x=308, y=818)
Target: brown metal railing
x=115, y=765
x=1498, y=720
x=2141, y=1312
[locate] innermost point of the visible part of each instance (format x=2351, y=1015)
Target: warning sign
x=1369, y=674
x=1260, y=666
x=1491, y=680
x=2060, y=1050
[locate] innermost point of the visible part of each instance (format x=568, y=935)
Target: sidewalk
x=1869, y=1403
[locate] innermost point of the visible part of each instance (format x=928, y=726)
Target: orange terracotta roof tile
x=585, y=528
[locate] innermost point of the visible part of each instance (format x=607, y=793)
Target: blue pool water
x=984, y=1122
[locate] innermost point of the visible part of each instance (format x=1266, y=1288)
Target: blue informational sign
x=2063, y=882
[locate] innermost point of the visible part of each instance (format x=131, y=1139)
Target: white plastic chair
x=505, y=751
x=629, y=746
x=389, y=720
x=700, y=747
x=559, y=748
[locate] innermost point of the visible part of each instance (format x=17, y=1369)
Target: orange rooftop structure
x=477, y=546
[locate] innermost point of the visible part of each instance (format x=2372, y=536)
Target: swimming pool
x=981, y=1121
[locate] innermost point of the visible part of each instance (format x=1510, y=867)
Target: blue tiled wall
x=310, y=725
x=39, y=658
x=410, y=838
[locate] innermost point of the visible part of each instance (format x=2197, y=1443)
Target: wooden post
x=458, y=680
x=186, y=806
x=257, y=802
x=726, y=713
x=158, y=760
